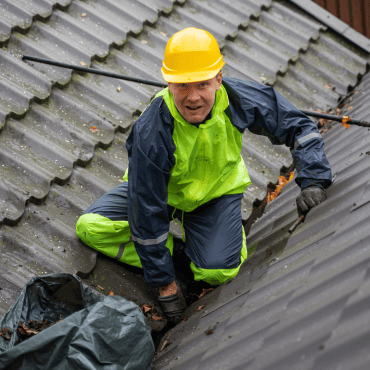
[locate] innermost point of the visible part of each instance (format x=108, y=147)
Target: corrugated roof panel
x=59, y=140
x=323, y=74
x=269, y=44
x=19, y=14
x=300, y=300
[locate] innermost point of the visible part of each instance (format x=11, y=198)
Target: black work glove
x=173, y=305
x=309, y=198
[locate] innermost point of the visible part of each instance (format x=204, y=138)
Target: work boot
x=173, y=305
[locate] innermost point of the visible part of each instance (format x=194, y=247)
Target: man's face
x=195, y=100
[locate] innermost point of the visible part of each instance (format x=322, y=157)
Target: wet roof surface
x=53, y=167
x=301, y=300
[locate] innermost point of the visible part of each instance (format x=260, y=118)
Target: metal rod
x=94, y=71
x=295, y=225
x=300, y=219
x=345, y=119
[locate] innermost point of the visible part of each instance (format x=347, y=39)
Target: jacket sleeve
x=150, y=150
x=264, y=111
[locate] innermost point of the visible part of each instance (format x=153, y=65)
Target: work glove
x=309, y=198
x=173, y=305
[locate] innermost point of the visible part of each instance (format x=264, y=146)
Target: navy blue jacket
x=150, y=146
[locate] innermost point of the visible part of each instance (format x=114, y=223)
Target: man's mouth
x=193, y=108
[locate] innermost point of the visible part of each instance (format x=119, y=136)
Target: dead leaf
x=199, y=308
x=83, y=15
x=208, y=332
x=145, y=308
x=156, y=318
x=165, y=343
x=185, y=319
x=98, y=286
x=328, y=86
x=349, y=108
x=25, y=330
x=144, y=42
x=119, y=88
x=282, y=182
x=338, y=111
x=83, y=64
x=205, y=291
x=263, y=78
x=111, y=292
x=93, y=129
x=346, y=125
x=346, y=105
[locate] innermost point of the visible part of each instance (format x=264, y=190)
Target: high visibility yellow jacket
x=174, y=162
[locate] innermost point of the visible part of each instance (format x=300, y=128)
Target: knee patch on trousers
x=219, y=276
x=112, y=238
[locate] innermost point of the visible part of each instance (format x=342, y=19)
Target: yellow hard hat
x=191, y=55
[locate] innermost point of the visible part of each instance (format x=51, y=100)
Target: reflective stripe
x=121, y=250
x=151, y=241
x=305, y=138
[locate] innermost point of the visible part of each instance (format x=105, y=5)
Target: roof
x=301, y=300
x=53, y=166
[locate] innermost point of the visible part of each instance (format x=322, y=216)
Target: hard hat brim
x=191, y=76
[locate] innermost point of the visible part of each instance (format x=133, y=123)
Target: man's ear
x=219, y=80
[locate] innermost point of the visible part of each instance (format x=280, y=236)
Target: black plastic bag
x=95, y=332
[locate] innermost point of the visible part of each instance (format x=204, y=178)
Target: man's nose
x=193, y=95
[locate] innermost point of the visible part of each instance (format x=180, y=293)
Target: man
x=185, y=162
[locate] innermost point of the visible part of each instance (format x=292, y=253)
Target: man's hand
x=309, y=198
x=169, y=289
x=172, y=302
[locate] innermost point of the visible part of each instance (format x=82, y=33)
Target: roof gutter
x=334, y=23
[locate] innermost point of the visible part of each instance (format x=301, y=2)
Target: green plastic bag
x=96, y=332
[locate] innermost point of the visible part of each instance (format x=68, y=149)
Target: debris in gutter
x=205, y=291
x=119, y=88
x=111, y=292
x=349, y=108
x=149, y=313
x=83, y=64
x=156, y=318
x=209, y=332
x=199, y=308
x=282, y=182
x=165, y=343
x=185, y=319
x=83, y=15
x=93, y=129
x=145, y=308
x=98, y=286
